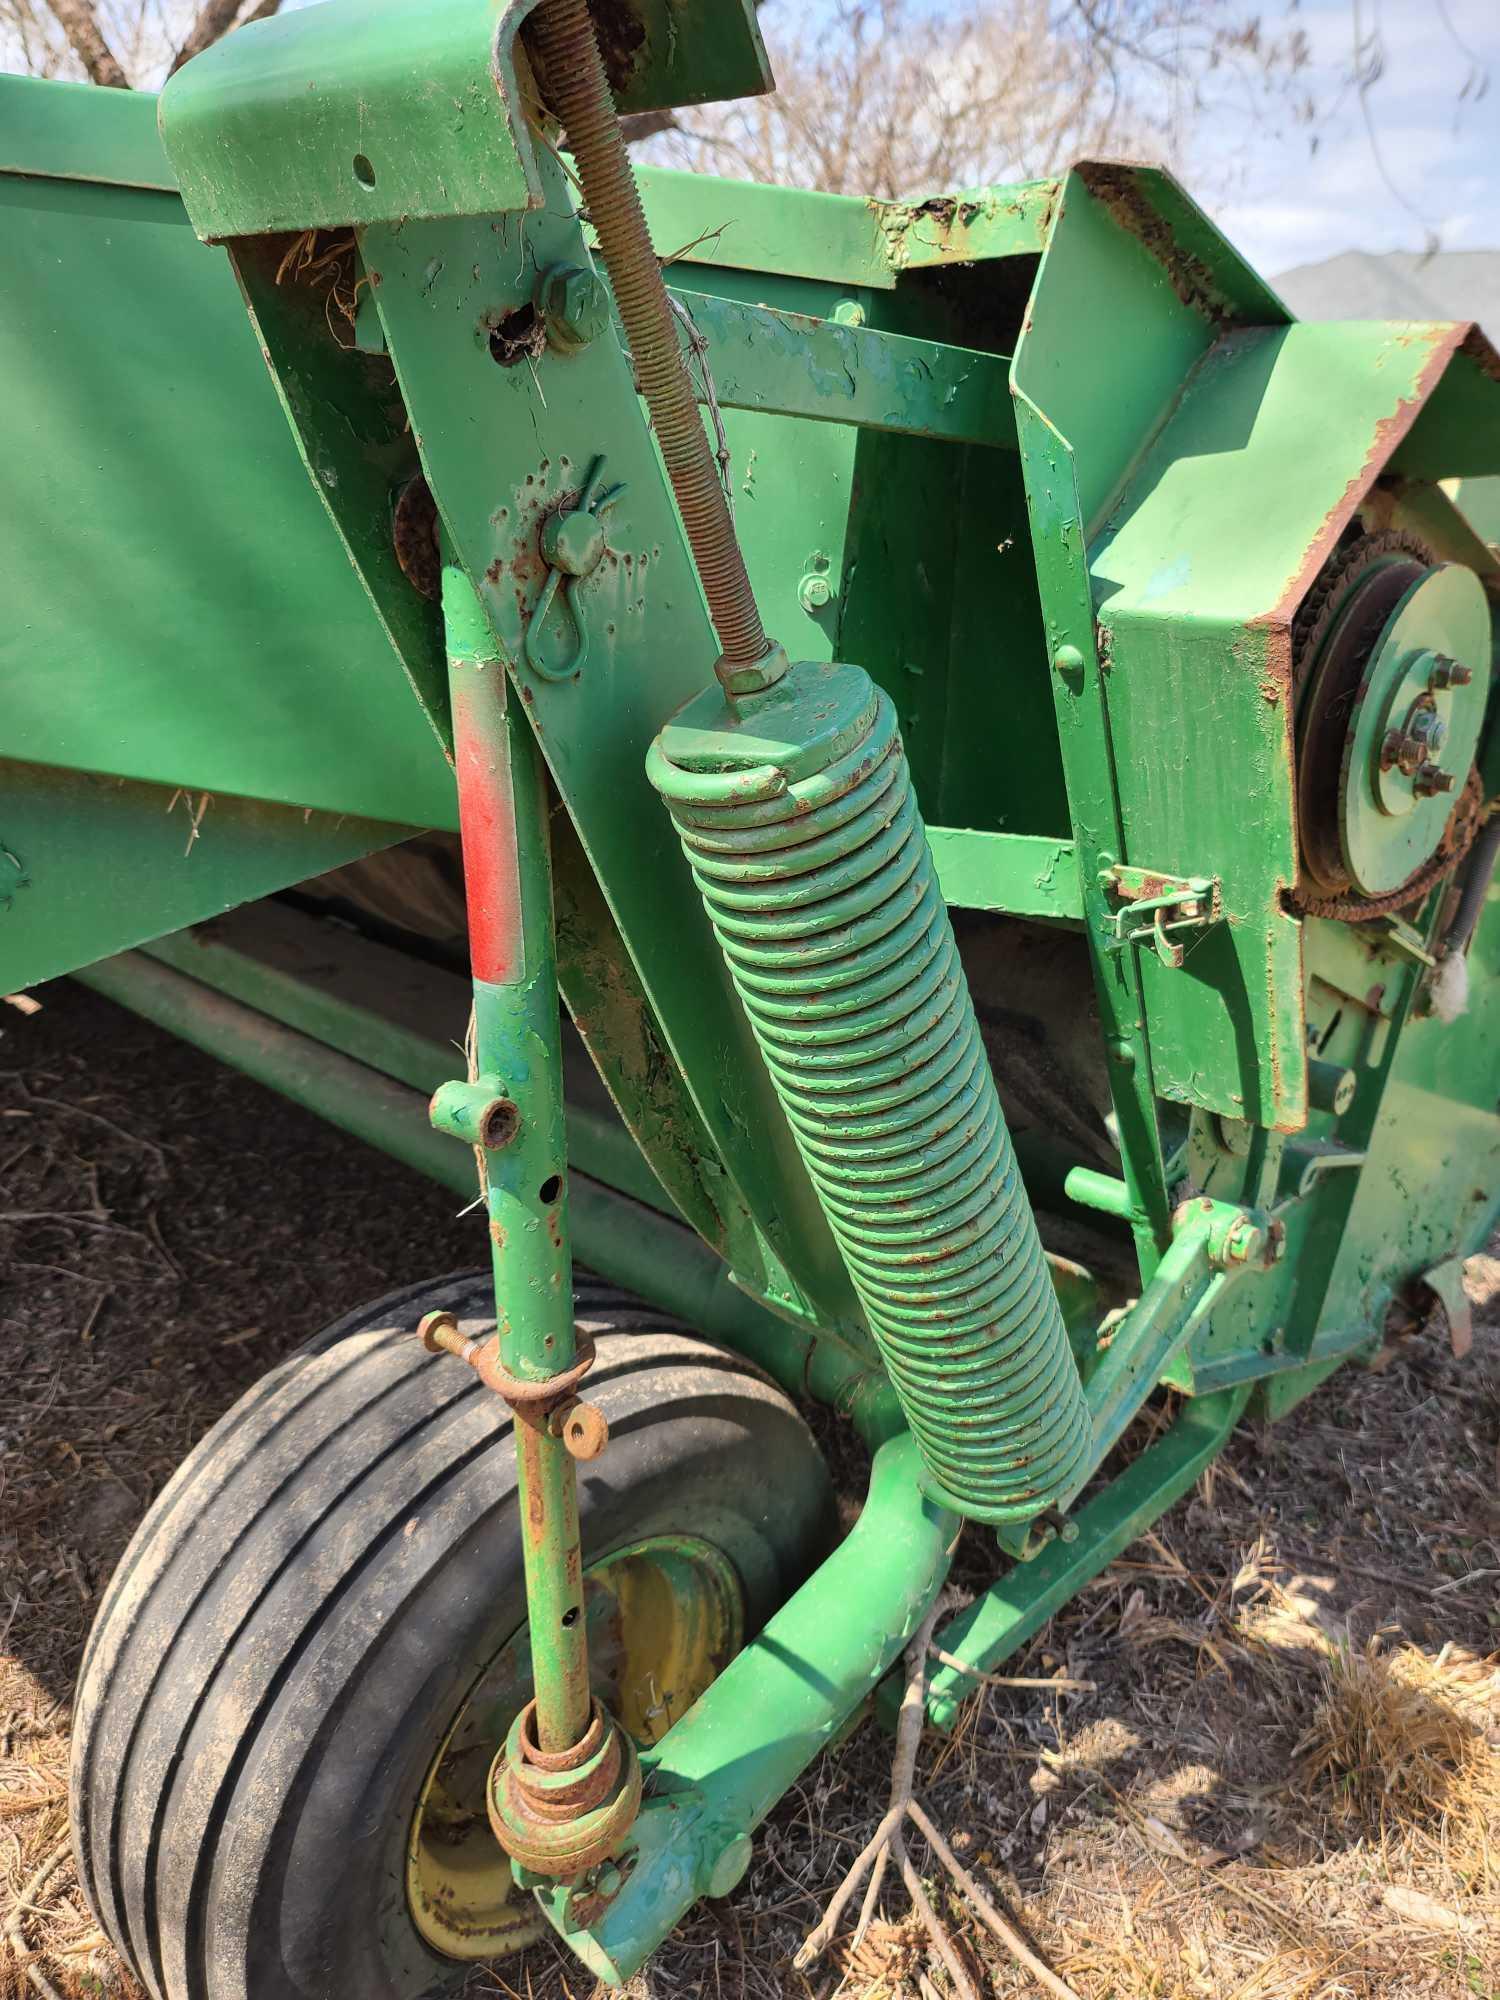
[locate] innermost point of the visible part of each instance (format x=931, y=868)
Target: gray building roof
x=1400, y=284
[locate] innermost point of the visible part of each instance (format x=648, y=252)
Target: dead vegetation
x=1266, y=1765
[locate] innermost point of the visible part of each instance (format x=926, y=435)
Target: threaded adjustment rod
x=560, y=35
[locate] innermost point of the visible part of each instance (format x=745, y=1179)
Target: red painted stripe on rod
x=487, y=825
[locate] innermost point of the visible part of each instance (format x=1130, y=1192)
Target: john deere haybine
x=910, y=784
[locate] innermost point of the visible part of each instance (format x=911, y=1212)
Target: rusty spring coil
x=825, y=901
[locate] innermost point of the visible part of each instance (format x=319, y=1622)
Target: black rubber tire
x=302, y=1612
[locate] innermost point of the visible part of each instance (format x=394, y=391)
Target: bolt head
x=814, y=591
x=574, y=305
x=1430, y=780
x=849, y=312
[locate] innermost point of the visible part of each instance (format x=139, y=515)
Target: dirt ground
x=1281, y=1777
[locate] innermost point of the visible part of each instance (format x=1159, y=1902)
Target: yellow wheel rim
x=665, y=1616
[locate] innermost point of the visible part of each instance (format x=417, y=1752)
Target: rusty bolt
x=574, y=306
x=1421, y=737
x=439, y=1334
x=1430, y=779
x=1448, y=673
x=583, y=1428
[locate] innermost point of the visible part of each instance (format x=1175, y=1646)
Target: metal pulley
x=1394, y=665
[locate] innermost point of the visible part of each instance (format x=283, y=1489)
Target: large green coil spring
x=799, y=819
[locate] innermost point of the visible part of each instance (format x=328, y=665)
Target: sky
x=1283, y=205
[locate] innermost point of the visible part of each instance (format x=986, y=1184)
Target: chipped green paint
x=956, y=229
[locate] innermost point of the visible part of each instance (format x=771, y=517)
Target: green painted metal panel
x=383, y=110
x=1027, y=875
x=801, y=366
x=176, y=606
x=699, y=219
x=91, y=865
x=1104, y=397
x=903, y=524
x=666, y=53
x=1430, y=1187
x=790, y=480
x=1056, y=510
x=845, y=239
x=1198, y=573
x=1001, y=765
x=310, y=120
x=75, y=131
x=1452, y=435
x=351, y=430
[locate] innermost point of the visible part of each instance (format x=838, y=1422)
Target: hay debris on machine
x=1010, y=822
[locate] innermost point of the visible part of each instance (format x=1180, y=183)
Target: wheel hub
x=664, y=1616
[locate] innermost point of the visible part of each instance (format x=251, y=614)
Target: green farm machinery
x=910, y=783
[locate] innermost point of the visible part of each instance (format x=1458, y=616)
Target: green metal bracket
x=1215, y=1244
x=801, y=366
x=394, y=113
x=716, y=1774
x=1002, y=1618
x=1024, y=874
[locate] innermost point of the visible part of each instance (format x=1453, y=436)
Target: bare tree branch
x=215, y=19
x=638, y=125
x=902, y=98
x=80, y=24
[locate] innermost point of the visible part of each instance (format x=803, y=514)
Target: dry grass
x=1283, y=1782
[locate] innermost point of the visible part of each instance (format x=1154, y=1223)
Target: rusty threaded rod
x=560, y=34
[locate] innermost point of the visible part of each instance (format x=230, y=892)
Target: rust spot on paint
x=1119, y=189
x=1388, y=434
